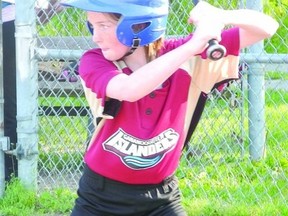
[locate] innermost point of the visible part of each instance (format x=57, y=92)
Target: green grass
x=236, y=188
x=222, y=183
x=217, y=183
x=276, y=75
x=22, y=201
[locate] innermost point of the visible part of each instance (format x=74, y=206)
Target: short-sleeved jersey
x=141, y=142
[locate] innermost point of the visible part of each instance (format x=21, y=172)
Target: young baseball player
x=147, y=90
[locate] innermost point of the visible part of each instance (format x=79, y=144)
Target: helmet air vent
x=140, y=27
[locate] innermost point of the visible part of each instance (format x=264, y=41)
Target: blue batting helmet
x=142, y=21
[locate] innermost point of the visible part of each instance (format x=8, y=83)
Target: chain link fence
x=239, y=149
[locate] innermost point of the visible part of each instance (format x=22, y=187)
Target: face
x=104, y=35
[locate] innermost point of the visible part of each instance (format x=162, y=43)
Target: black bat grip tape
x=215, y=51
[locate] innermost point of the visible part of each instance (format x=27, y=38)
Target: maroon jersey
x=141, y=142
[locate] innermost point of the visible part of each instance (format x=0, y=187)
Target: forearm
x=150, y=76
x=254, y=26
x=252, y=21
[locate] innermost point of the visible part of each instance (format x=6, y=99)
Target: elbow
x=132, y=99
x=123, y=89
x=274, y=25
x=128, y=94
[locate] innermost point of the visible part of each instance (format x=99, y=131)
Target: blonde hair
x=152, y=49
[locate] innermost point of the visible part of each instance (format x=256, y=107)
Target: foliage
x=72, y=21
x=278, y=10
x=19, y=200
x=276, y=75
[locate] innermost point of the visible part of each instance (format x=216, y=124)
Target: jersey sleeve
x=95, y=73
x=206, y=73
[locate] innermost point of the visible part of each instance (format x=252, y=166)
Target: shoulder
x=93, y=56
x=93, y=61
x=172, y=42
x=92, y=52
x=231, y=40
x=230, y=34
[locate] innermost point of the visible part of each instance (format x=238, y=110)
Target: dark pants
x=9, y=81
x=99, y=196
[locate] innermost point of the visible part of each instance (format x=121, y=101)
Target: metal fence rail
x=239, y=126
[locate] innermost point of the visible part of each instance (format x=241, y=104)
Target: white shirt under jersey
x=8, y=12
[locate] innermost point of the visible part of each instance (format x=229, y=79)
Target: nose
x=96, y=37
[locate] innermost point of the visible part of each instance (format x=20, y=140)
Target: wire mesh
x=217, y=162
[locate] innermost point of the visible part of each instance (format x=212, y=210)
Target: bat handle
x=215, y=51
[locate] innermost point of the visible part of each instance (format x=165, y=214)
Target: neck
x=137, y=59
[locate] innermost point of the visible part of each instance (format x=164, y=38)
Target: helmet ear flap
x=147, y=30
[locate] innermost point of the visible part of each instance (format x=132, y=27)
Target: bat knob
x=215, y=51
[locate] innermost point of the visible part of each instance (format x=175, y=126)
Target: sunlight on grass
x=220, y=182
x=19, y=201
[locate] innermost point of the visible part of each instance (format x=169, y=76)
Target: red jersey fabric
x=142, y=143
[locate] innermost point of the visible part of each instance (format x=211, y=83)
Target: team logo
x=141, y=154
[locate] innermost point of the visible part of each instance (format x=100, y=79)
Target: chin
x=108, y=57
x=112, y=57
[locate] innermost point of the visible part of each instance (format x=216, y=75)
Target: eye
x=104, y=26
x=90, y=27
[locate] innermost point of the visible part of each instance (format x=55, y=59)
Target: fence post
x=256, y=98
x=27, y=92
x=2, y=171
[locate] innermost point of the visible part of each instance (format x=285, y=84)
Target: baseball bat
x=215, y=51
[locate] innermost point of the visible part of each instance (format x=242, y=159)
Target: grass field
x=213, y=185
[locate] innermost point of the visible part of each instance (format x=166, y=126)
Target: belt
x=104, y=180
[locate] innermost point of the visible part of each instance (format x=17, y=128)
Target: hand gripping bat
x=215, y=51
